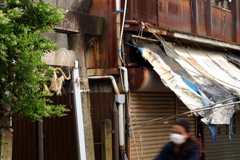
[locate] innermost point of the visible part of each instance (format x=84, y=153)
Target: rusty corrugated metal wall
x=102, y=54
x=24, y=139
x=196, y=17
x=101, y=105
x=59, y=133
x=59, y=136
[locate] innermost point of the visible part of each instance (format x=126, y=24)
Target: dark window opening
x=221, y=3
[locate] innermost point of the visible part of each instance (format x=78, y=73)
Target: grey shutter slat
x=223, y=148
x=148, y=106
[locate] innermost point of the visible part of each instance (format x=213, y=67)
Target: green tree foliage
x=21, y=49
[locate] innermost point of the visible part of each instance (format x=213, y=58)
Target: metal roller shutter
x=181, y=108
x=147, y=141
x=223, y=148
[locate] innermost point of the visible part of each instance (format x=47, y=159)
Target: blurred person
x=182, y=145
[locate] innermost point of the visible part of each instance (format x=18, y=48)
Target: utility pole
x=76, y=43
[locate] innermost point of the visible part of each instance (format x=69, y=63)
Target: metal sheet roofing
x=198, y=77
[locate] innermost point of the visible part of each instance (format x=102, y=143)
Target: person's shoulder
x=194, y=147
x=169, y=145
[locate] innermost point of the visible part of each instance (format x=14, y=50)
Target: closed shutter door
x=147, y=140
x=223, y=148
x=191, y=118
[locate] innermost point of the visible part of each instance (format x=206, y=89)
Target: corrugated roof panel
x=179, y=68
x=206, y=62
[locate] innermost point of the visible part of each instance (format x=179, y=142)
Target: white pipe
x=125, y=79
x=118, y=30
x=120, y=103
x=121, y=125
x=114, y=84
x=118, y=4
x=123, y=22
x=78, y=113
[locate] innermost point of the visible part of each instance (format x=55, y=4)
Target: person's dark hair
x=183, y=150
x=184, y=123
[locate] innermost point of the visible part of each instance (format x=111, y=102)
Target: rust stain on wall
x=198, y=17
x=103, y=51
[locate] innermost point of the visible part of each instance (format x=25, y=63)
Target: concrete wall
x=59, y=38
x=74, y=5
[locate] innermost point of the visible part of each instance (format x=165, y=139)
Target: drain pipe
x=125, y=79
x=114, y=84
x=78, y=113
x=118, y=30
x=115, y=132
x=120, y=100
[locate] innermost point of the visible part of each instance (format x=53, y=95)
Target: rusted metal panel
x=151, y=12
x=217, y=23
x=237, y=22
x=195, y=21
x=136, y=78
x=101, y=105
x=167, y=14
x=227, y=26
x=138, y=10
x=130, y=10
x=146, y=11
x=208, y=17
x=189, y=16
x=143, y=11
x=175, y=15
x=103, y=51
x=201, y=9
x=59, y=135
x=145, y=80
x=24, y=141
x=91, y=25
x=222, y=26
x=235, y=8
x=95, y=72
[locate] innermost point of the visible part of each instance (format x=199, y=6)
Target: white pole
x=121, y=125
x=78, y=113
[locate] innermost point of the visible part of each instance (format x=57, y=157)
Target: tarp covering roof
x=198, y=77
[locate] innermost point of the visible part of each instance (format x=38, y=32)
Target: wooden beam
x=106, y=136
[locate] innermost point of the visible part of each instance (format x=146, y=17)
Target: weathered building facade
x=197, y=24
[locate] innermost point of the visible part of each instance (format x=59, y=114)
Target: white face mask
x=177, y=138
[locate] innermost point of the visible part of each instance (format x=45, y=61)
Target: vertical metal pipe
x=118, y=30
x=121, y=125
x=39, y=128
x=115, y=132
x=76, y=42
x=125, y=79
x=78, y=113
x=123, y=22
